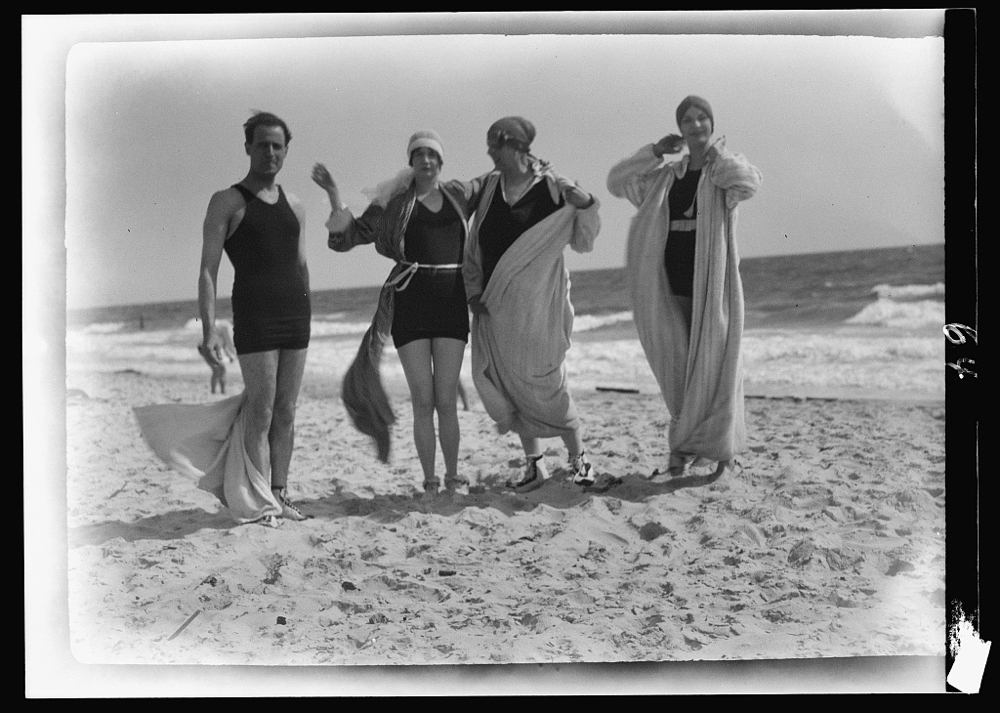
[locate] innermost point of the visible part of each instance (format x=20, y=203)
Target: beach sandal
x=725, y=475
x=534, y=475
x=581, y=470
x=431, y=486
x=728, y=469
x=459, y=481
x=677, y=465
x=289, y=511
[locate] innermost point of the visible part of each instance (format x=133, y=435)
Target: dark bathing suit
x=271, y=308
x=505, y=223
x=433, y=303
x=678, y=257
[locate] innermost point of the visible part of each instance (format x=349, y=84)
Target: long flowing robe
x=700, y=376
x=519, y=344
x=205, y=441
x=362, y=390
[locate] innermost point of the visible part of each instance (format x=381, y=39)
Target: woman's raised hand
x=669, y=144
x=321, y=176
x=716, y=148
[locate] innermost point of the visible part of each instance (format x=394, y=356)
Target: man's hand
x=212, y=348
x=218, y=368
x=216, y=349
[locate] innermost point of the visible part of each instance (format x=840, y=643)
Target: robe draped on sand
x=701, y=378
x=519, y=344
x=205, y=441
x=362, y=390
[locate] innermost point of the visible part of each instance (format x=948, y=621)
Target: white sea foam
x=836, y=361
x=890, y=313
x=898, y=292
x=194, y=324
x=332, y=325
x=789, y=359
x=587, y=322
x=856, y=358
x=101, y=328
x=327, y=327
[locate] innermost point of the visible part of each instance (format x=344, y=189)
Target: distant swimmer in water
x=218, y=366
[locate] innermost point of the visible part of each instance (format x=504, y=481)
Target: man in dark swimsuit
x=271, y=334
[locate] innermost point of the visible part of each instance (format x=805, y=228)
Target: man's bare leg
x=259, y=371
x=271, y=382
x=281, y=436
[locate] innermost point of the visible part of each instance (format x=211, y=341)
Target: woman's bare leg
x=416, y=359
x=573, y=442
x=447, y=355
x=531, y=446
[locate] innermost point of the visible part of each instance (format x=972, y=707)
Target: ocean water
x=856, y=323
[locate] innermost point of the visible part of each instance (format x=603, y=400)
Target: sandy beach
x=829, y=542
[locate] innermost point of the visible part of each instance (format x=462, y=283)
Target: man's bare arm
x=215, y=230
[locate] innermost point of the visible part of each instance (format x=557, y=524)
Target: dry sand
x=829, y=543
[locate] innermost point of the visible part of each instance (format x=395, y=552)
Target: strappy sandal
x=459, y=481
x=677, y=465
x=431, y=486
x=534, y=475
x=289, y=511
x=730, y=469
x=581, y=470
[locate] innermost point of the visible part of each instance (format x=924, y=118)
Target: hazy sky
x=847, y=129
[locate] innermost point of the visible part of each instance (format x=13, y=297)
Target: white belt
x=683, y=225
x=411, y=269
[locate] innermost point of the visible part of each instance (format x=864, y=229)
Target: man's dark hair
x=264, y=118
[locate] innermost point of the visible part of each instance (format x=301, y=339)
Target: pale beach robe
x=519, y=346
x=701, y=379
x=205, y=441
